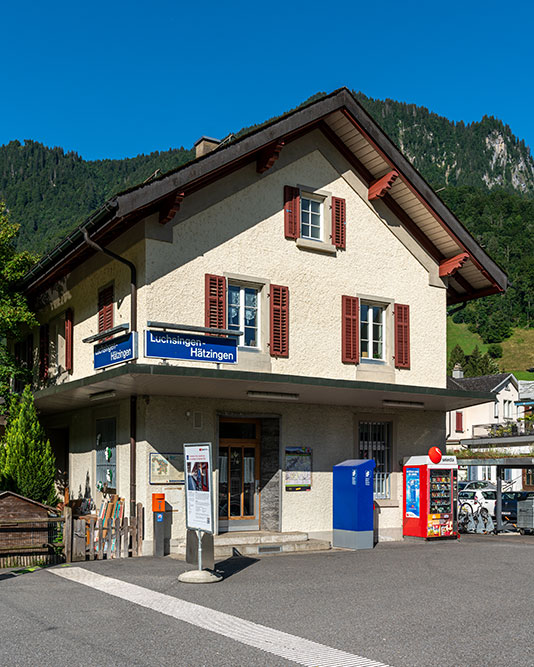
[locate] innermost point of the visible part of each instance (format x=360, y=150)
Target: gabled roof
x=487, y=383
x=3, y=494
x=470, y=272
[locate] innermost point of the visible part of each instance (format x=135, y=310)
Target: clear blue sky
x=115, y=79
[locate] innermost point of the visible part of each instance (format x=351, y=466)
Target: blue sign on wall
x=115, y=351
x=413, y=492
x=191, y=347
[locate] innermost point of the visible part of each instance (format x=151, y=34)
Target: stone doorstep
x=257, y=548
x=258, y=537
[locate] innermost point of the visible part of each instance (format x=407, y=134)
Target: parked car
x=509, y=503
x=475, y=499
x=479, y=484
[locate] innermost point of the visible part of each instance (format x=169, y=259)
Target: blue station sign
x=115, y=351
x=190, y=347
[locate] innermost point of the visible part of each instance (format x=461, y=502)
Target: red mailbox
x=158, y=502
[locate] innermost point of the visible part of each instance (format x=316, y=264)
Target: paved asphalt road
x=402, y=604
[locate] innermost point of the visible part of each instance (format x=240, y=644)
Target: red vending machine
x=430, y=496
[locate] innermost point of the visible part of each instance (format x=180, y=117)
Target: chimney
x=457, y=372
x=205, y=145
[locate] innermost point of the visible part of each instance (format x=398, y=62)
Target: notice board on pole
x=298, y=468
x=198, y=486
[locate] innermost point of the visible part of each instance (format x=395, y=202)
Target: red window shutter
x=459, y=422
x=350, y=322
x=69, y=323
x=44, y=347
x=105, y=309
x=279, y=321
x=291, y=212
x=339, y=220
x=215, y=301
x=402, y=336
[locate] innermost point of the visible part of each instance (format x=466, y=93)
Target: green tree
x=457, y=356
x=495, y=351
x=480, y=364
x=27, y=464
x=15, y=315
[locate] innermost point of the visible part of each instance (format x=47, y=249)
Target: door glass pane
x=223, y=482
x=237, y=430
x=236, y=468
x=248, y=481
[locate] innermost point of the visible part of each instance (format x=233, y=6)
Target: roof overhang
x=154, y=380
x=506, y=462
x=470, y=273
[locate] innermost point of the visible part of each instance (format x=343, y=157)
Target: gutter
x=74, y=238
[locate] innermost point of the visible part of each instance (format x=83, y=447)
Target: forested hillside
x=49, y=191
x=481, y=170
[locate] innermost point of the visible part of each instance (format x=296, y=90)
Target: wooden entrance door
x=239, y=474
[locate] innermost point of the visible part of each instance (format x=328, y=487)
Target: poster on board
x=298, y=468
x=166, y=468
x=198, y=486
x=413, y=493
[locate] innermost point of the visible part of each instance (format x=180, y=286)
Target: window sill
x=316, y=246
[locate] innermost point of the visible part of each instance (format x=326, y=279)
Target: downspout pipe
x=133, y=276
x=133, y=398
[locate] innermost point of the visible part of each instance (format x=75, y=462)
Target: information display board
x=198, y=486
x=298, y=468
x=166, y=468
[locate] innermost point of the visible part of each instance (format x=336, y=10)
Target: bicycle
x=475, y=521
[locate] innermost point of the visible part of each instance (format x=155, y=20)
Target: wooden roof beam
x=378, y=188
x=448, y=267
x=170, y=208
x=268, y=156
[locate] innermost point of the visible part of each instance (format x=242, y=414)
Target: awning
x=162, y=380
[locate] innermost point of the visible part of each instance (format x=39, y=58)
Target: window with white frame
x=496, y=410
x=507, y=409
x=372, y=331
x=244, y=313
x=311, y=218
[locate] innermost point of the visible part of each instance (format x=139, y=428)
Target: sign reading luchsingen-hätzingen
x=191, y=347
x=115, y=351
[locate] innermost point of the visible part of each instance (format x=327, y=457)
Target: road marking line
x=298, y=650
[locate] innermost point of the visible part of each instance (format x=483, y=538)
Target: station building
x=313, y=242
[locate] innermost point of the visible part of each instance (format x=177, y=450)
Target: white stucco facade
x=233, y=228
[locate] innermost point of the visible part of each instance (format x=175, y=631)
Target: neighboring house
x=498, y=425
x=318, y=242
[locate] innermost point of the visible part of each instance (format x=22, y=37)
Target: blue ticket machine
x=353, y=504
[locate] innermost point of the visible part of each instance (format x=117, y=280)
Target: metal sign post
x=198, y=472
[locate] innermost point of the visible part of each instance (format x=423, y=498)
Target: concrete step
x=258, y=537
x=271, y=549
x=223, y=551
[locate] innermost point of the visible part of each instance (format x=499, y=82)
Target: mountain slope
x=49, y=191
x=482, y=154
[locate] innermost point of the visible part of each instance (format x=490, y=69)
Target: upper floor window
x=311, y=218
x=372, y=331
x=244, y=313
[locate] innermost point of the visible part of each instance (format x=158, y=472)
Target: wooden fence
x=34, y=541
x=96, y=539
x=52, y=540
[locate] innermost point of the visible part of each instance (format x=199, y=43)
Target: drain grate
x=271, y=549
